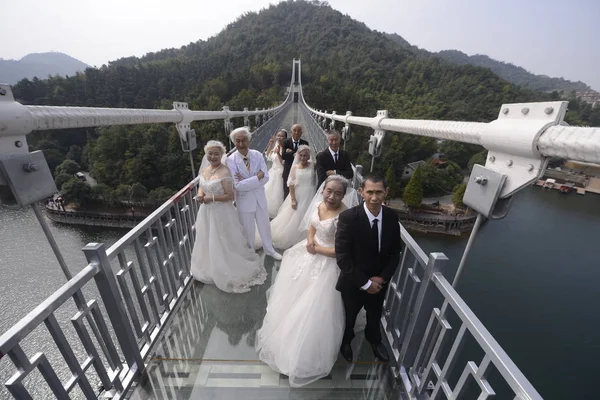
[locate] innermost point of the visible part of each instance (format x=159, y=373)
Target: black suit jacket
x=355, y=252
x=325, y=162
x=288, y=158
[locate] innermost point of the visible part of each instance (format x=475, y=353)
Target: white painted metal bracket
x=376, y=140
x=512, y=142
x=15, y=123
x=186, y=117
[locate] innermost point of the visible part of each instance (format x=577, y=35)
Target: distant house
x=410, y=169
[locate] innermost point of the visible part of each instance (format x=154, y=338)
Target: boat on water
x=567, y=187
x=549, y=184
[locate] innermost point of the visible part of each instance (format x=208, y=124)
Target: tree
x=123, y=192
x=478, y=158
x=390, y=177
x=459, y=152
x=459, y=193
x=61, y=179
x=68, y=167
x=413, y=192
x=138, y=192
x=161, y=194
x=76, y=191
x=75, y=153
x=102, y=192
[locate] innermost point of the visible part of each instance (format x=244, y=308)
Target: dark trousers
x=285, y=175
x=354, y=300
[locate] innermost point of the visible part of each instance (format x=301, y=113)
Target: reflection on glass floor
x=208, y=353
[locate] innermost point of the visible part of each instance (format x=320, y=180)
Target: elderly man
x=333, y=160
x=290, y=146
x=250, y=174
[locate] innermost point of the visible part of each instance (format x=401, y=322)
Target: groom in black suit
x=333, y=160
x=367, y=248
x=290, y=146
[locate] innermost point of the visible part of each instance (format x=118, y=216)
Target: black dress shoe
x=380, y=352
x=346, y=351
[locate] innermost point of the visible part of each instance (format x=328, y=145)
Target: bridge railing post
x=115, y=306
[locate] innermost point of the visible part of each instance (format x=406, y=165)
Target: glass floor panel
x=208, y=353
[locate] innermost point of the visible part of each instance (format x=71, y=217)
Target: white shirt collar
x=333, y=153
x=371, y=216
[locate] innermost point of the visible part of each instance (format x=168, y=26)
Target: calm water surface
x=532, y=278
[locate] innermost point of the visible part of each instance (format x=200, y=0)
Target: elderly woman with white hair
x=302, y=182
x=220, y=255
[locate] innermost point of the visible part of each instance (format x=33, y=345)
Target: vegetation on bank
x=345, y=66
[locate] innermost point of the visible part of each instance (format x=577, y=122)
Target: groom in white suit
x=249, y=171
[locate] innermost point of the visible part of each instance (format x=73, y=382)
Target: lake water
x=532, y=278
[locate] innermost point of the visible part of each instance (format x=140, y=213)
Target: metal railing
x=427, y=325
x=138, y=295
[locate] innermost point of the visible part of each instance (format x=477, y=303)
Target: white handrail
x=570, y=142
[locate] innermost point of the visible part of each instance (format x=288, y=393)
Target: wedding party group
x=338, y=256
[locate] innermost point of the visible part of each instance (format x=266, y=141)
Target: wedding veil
x=350, y=200
x=311, y=163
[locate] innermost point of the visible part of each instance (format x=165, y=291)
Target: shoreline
x=107, y=220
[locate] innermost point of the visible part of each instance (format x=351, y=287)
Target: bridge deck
x=208, y=352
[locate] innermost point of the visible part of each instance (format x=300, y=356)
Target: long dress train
x=220, y=255
x=302, y=332
x=274, y=187
x=285, y=228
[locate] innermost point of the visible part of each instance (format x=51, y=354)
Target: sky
x=551, y=37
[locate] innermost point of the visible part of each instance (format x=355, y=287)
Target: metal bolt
x=18, y=143
x=529, y=167
x=505, y=111
x=509, y=162
x=480, y=180
x=549, y=110
x=31, y=167
x=525, y=110
x=492, y=158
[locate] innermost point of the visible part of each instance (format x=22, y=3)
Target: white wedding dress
x=274, y=187
x=285, y=228
x=302, y=332
x=220, y=255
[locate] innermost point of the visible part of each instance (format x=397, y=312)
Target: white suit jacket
x=250, y=191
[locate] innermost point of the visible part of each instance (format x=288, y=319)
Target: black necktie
x=375, y=234
x=335, y=157
x=295, y=146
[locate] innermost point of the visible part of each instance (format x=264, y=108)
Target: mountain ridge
x=513, y=73
x=39, y=65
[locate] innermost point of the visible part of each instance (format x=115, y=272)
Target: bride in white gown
x=220, y=255
x=302, y=331
x=274, y=188
x=302, y=184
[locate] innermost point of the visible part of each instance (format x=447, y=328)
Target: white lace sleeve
x=292, y=179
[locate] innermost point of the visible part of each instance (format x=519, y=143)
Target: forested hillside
x=345, y=66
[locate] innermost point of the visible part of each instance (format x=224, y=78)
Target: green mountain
x=39, y=65
x=345, y=66
x=514, y=74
